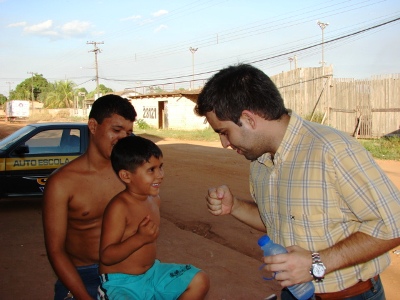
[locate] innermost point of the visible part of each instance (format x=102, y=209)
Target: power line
x=284, y=54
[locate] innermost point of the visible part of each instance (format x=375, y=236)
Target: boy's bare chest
x=137, y=214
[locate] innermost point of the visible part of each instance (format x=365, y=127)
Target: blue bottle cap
x=263, y=240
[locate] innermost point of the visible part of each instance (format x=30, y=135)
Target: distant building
x=169, y=110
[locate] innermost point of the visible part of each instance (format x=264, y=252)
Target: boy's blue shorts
x=161, y=281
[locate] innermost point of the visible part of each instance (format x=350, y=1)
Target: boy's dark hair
x=110, y=104
x=238, y=88
x=131, y=152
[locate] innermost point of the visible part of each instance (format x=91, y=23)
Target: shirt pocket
x=320, y=230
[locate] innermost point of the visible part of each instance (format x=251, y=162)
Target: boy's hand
x=148, y=229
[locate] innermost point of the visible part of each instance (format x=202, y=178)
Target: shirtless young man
x=128, y=265
x=75, y=198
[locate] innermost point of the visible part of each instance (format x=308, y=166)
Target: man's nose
x=224, y=141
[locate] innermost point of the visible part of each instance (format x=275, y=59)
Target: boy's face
x=147, y=178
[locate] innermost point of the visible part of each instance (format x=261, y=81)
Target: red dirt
x=225, y=248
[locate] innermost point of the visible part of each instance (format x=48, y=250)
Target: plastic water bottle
x=302, y=291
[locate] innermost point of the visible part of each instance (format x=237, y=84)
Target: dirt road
x=223, y=247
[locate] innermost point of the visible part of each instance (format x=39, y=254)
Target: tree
x=155, y=90
x=36, y=84
x=102, y=90
x=3, y=99
x=60, y=95
x=80, y=97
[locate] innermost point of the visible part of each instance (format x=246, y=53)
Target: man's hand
x=292, y=267
x=219, y=200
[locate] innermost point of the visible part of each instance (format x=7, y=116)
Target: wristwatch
x=317, y=269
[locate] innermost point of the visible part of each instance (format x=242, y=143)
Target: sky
x=144, y=43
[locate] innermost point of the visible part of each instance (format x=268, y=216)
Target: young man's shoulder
x=67, y=173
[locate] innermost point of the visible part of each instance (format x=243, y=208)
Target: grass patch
x=383, y=148
x=188, y=135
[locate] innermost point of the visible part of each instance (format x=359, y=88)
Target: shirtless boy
x=75, y=198
x=128, y=265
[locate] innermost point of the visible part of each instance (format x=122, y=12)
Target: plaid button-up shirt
x=320, y=187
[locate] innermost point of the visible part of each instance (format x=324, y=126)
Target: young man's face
x=147, y=178
x=107, y=134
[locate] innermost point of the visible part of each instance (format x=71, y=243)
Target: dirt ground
x=225, y=248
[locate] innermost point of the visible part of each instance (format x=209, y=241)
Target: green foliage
x=383, y=148
x=141, y=124
x=317, y=118
x=154, y=90
x=61, y=95
x=37, y=83
x=188, y=135
x=103, y=90
x=3, y=99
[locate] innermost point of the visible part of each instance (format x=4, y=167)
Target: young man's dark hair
x=132, y=151
x=107, y=105
x=238, y=88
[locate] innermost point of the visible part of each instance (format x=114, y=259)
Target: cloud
x=39, y=28
x=19, y=24
x=75, y=28
x=161, y=27
x=160, y=13
x=134, y=18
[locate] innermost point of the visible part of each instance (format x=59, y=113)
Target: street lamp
x=322, y=26
x=290, y=61
x=193, y=50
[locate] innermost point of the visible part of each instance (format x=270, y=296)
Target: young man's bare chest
x=91, y=195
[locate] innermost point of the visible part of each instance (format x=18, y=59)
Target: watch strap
x=316, y=259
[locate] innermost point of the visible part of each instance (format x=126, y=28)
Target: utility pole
x=322, y=26
x=96, y=50
x=193, y=50
x=9, y=88
x=32, y=87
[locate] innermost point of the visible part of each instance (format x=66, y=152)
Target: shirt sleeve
x=369, y=194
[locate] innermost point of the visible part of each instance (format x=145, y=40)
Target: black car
x=30, y=154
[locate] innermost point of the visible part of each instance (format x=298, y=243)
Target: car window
x=9, y=140
x=71, y=142
x=47, y=141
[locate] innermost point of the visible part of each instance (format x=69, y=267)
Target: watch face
x=318, y=270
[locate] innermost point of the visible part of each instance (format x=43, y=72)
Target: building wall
x=168, y=113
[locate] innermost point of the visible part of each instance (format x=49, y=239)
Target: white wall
x=178, y=112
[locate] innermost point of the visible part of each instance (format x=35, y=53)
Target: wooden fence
x=362, y=108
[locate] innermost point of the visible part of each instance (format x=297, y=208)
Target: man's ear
x=92, y=125
x=249, y=118
x=125, y=176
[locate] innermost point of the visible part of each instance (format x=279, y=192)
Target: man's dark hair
x=238, y=88
x=131, y=152
x=107, y=105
